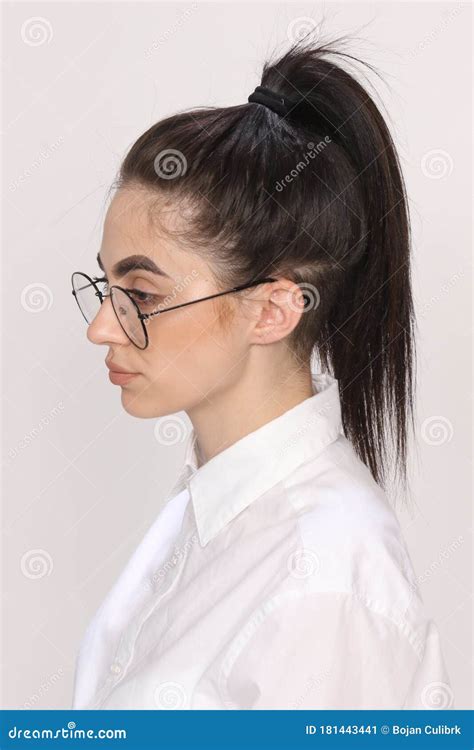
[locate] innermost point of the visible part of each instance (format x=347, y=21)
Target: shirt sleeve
x=327, y=650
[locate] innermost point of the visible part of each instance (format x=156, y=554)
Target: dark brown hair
x=316, y=196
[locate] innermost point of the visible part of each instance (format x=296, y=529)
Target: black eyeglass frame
x=144, y=316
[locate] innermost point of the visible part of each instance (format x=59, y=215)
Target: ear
x=280, y=312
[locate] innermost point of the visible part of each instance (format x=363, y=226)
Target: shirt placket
x=126, y=645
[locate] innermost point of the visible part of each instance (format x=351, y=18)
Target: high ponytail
x=367, y=336
x=317, y=196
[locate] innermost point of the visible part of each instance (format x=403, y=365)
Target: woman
x=241, y=242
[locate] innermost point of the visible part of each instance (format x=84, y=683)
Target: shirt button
x=116, y=668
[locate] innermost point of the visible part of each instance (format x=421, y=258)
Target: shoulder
x=340, y=600
x=348, y=538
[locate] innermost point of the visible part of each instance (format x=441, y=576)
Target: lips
x=119, y=375
x=116, y=368
x=121, y=378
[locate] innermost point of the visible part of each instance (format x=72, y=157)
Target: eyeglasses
x=132, y=320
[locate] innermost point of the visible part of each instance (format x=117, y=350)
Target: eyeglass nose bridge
x=101, y=295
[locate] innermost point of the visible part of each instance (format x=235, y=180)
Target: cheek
x=189, y=357
x=188, y=335
x=171, y=334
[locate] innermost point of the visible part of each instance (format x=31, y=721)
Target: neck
x=241, y=407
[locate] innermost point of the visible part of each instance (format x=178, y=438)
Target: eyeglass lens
x=88, y=300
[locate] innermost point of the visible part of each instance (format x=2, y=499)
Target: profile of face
x=195, y=352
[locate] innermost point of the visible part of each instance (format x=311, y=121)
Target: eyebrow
x=134, y=263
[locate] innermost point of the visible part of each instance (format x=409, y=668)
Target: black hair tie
x=276, y=102
x=298, y=110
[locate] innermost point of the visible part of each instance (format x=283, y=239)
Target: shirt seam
x=372, y=605
x=415, y=641
x=225, y=672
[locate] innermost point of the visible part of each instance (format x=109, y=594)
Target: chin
x=142, y=406
x=136, y=406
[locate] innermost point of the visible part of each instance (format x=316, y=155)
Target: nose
x=105, y=328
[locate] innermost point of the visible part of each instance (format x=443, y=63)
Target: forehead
x=138, y=223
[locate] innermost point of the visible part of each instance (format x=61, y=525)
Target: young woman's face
x=193, y=352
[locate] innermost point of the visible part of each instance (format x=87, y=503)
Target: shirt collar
x=225, y=485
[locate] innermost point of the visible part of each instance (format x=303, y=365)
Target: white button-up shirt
x=275, y=577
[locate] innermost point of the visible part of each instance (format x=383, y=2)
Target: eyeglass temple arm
x=144, y=316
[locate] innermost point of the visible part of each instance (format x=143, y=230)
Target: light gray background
x=82, y=480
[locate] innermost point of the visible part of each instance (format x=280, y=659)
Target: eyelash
x=143, y=297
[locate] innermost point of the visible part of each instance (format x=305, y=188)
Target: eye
x=145, y=299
